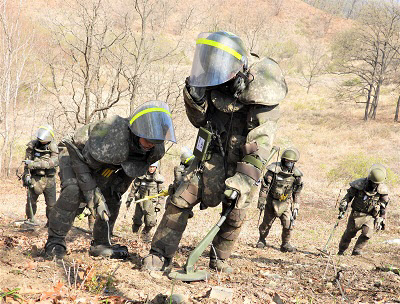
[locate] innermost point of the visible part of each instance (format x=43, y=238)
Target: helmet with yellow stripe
x=45, y=134
x=218, y=58
x=152, y=121
x=187, y=156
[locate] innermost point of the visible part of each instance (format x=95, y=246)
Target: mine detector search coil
x=189, y=273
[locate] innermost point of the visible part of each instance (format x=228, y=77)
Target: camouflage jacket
x=370, y=203
x=281, y=185
x=45, y=158
x=148, y=184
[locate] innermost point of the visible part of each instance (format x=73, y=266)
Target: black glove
x=262, y=201
x=129, y=202
x=27, y=180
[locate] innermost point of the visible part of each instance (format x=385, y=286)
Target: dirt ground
x=261, y=275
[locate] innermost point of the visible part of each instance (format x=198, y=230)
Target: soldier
x=369, y=197
x=279, y=197
x=145, y=185
x=41, y=162
x=238, y=106
x=103, y=158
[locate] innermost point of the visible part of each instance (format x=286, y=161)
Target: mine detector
x=189, y=273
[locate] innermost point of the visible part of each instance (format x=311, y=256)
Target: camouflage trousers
x=45, y=185
x=357, y=221
x=70, y=200
x=206, y=187
x=270, y=214
x=145, y=211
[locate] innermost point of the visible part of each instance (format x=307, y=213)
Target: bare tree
x=370, y=53
x=86, y=80
x=15, y=48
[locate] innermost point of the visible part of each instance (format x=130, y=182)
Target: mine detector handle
x=196, y=253
x=146, y=198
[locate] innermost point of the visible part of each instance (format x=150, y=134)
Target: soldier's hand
x=342, y=206
x=27, y=180
x=295, y=213
x=129, y=202
x=28, y=161
x=261, y=203
x=137, y=195
x=100, y=205
x=231, y=194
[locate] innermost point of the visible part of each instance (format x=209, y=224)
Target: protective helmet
x=377, y=174
x=154, y=164
x=291, y=154
x=45, y=134
x=152, y=121
x=218, y=58
x=186, y=156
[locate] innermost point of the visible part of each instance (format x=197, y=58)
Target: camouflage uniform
x=366, y=208
x=246, y=127
x=281, y=191
x=148, y=184
x=42, y=171
x=103, y=155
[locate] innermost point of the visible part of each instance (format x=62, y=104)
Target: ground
x=261, y=275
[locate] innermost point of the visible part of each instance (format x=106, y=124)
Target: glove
x=262, y=201
x=100, y=205
x=137, y=195
x=27, y=180
x=28, y=161
x=231, y=194
x=129, y=202
x=196, y=93
x=295, y=213
x=342, y=206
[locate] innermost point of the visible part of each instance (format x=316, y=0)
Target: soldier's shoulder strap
x=158, y=178
x=383, y=189
x=274, y=167
x=297, y=172
x=358, y=184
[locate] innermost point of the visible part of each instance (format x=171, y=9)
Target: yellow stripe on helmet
x=149, y=110
x=220, y=46
x=48, y=129
x=188, y=159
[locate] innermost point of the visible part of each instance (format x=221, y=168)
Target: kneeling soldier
x=281, y=183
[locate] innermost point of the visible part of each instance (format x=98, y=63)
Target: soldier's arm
x=134, y=188
x=384, y=201
x=262, y=124
x=28, y=155
x=266, y=184
x=196, y=110
x=297, y=187
x=49, y=163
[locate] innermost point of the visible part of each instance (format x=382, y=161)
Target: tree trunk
x=396, y=116
x=367, y=104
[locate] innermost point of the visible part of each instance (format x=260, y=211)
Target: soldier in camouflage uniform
x=239, y=105
x=369, y=198
x=186, y=159
x=145, y=185
x=103, y=159
x=41, y=162
x=279, y=197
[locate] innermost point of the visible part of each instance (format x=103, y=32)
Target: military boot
x=261, y=243
x=156, y=262
x=220, y=265
x=113, y=252
x=135, y=228
x=360, y=244
x=146, y=234
x=286, y=247
x=54, y=250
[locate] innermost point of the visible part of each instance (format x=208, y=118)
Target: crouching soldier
x=103, y=159
x=279, y=197
x=41, y=162
x=146, y=185
x=368, y=198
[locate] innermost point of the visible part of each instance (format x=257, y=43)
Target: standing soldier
x=103, y=159
x=41, y=161
x=279, y=197
x=369, y=197
x=145, y=185
x=236, y=108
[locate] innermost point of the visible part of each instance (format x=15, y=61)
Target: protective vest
x=42, y=152
x=149, y=184
x=283, y=183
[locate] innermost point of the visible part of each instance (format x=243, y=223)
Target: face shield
x=186, y=156
x=218, y=58
x=45, y=134
x=152, y=121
